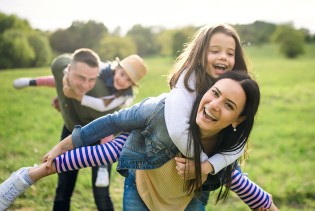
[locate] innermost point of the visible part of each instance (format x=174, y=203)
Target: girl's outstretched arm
x=89, y=156
x=66, y=159
x=250, y=193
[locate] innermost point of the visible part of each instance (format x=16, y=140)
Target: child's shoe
x=102, y=179
x=13, y=187
x=21, y=83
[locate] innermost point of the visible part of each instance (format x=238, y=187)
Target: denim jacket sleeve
x=123, y=120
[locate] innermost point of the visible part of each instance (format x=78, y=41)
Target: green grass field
x=281, y=149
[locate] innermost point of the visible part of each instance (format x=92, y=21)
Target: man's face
x=82, y=77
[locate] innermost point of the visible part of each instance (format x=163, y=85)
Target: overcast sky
x=54, y=14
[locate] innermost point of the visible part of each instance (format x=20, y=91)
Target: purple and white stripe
x=90, y=156
x=253, y=195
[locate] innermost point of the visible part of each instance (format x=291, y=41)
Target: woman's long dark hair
x=228, y=140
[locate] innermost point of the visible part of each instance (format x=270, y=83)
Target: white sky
x=54, y=14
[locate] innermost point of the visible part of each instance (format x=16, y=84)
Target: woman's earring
x=234, y=129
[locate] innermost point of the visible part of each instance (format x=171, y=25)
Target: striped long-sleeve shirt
x=108, y=153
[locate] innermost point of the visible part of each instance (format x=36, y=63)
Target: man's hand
x=68, y=91
x=55, y=103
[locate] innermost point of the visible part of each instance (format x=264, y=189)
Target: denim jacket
x=148, y=145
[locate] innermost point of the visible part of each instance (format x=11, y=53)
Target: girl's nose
x=223, y=56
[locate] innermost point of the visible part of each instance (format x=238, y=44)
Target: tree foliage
x=78, y=35
x=13, y=22
x=145, y=40
x=15, y=50
x=290, y=40
x=257, y=33
x=114, y=46
x=22, y=46
x=42, y=49
x=180, y=38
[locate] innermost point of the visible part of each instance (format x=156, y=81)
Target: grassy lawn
x=281, y=149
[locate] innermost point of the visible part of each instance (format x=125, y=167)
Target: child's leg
x=20, y=83
x=44, y=81
x=253, y=195
x=102, y=179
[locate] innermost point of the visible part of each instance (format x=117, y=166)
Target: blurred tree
x=180, y=39
x=145, y=40
x=78, y=35
x=291, y=41
x=20, y=45
x=308, y=37
x=113, y=46
x=13, y=22
x=257, y=33
x=41, y=47
x=15, y=50
x=165, y=41
x=63, y=41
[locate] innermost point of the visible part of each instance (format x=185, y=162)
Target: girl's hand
x=185, y=168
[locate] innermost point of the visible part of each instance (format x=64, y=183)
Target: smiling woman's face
x=220, y=107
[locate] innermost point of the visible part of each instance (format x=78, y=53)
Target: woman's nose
x=215, y=104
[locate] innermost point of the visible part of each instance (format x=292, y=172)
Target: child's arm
x=178, y=107
x=100, y=104
x=90, y=156
x=103, y=104
x=252, y=195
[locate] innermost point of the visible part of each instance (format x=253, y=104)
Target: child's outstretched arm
x=99, y=104
x=106, y=103
x=252, y=195
x=90, y=156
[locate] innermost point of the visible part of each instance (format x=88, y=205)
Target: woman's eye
x=215, y=93
x=230, y=106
